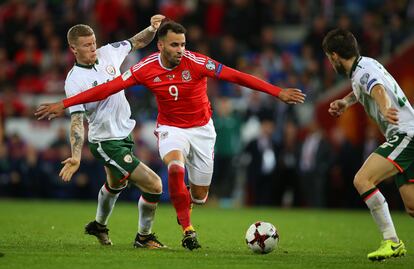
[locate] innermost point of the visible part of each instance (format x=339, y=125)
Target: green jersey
x=365, y=74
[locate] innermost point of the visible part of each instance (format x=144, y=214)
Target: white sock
x=106, y=202
x=146, y=216
x=381, y=214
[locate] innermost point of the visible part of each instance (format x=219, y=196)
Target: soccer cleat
x=388, y=249
x=99, y=231
x=149, y=241
x=190, y=240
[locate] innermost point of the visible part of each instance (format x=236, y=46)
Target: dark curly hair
x=341, y=42
x=169, y=25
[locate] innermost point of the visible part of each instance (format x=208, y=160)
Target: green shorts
x=117, y=155
x=399, y=150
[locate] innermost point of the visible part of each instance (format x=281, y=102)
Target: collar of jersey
x=160, y=63
x=354, y=66
x=87, y=66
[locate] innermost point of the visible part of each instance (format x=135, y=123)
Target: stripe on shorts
x=397, y=151
x=107, y=159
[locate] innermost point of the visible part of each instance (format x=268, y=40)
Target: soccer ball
x=262, y=237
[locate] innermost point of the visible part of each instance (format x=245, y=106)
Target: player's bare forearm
x=384, y=104
x=350, y=99
x=143, y=38
x=338, y=107
x=381, y=98
x=77, y=133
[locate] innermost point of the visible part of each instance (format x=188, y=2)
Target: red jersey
x=181, y=92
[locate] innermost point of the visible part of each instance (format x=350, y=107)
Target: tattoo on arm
x=77, y=133
x=142, y=39
x=350, y=99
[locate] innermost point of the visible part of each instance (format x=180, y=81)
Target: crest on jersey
x=163, y=135
x=128, y=158
x=364, y=79
x=186, y=76
x=110, y=69
x=210, y=65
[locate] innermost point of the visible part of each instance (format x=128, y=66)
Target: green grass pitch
x=49, y=234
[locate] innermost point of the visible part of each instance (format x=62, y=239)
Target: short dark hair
x=169, y=25
x=341, y=42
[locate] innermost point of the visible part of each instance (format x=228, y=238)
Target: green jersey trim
x=77, y=112
x=87, y=66
x=354, y=66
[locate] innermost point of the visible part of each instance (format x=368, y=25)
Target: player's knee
x=155, y=184
x=357, y=181
x=115, y=187
x=199, y=198
x=360, y=182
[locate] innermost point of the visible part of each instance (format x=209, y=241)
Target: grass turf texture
x=49, y=234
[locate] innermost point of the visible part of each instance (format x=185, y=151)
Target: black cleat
x=190, y=240
x=149, y=241
x=99, y=231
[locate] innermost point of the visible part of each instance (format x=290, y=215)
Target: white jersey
x=108, y=119
x=365, y=74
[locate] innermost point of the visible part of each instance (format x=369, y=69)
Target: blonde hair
x=77, y=31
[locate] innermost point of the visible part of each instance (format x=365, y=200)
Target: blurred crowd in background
x=267, y=153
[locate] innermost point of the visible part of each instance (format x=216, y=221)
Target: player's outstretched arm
x=289, y=96
x=338, y=107
x=145, y=37
x=100, y=92
x=50, y=110
x=384, y=103
x=77, y=134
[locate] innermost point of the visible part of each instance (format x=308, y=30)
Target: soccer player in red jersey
x=185, y=131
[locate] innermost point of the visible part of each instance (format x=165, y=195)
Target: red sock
x=180, y=197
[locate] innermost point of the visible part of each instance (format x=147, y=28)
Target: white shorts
x=197, y=145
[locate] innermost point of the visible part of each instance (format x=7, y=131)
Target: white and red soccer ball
x=262, y=237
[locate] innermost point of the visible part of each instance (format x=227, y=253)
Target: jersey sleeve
x=117, y=51
x=102, y=91
x=205, y=66
x=368, y=79
x=72, y=88
x=213, y=69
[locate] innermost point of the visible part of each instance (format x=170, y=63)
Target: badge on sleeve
x=210, y=65
x=364, y=79
x=128, y=158
x=118, y=44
